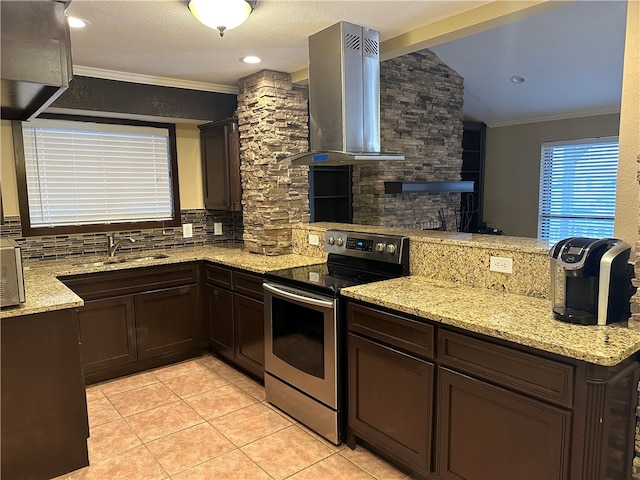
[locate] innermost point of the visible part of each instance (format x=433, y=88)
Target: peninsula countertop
x=516, y=318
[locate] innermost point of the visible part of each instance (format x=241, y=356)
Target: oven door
x=300, y=340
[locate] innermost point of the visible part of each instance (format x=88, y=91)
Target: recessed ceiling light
x=517, y=79
x=77, y=22
x=251, y=59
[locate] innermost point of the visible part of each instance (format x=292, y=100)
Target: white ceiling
x=571, y=56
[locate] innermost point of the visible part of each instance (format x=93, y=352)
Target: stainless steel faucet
x=113, y=245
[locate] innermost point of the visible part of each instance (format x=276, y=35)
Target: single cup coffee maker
x=590, y=280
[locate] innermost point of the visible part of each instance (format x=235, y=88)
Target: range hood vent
x=344, y=97
x=35, y=56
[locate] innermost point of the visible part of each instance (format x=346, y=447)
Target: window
x=97, y=175
x=578, y=188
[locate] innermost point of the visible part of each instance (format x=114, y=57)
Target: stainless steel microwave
x=12, y=279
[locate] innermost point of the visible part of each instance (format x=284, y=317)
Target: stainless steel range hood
x=344, y=98
x=35, y=56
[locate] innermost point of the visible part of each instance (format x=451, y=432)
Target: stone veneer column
x=421, y=116
x=272, y=119
x=634, y=322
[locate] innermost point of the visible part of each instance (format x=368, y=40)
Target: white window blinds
x=578, y=188
x=81, y=173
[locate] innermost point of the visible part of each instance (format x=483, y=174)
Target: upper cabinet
x=220, y=149
x=36, y=57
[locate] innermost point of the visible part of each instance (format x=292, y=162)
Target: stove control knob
x=339, y=241
x=331, y=240
x=391, y=248
x=380, y=247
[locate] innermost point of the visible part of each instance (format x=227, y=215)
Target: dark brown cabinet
x=249, y=323
x=220, y=151
x=107, y=332
x=138, y=318
x=448, y=404
x=167, y=320
x=220, y=310
x=398, y=416
x=489, y=432
x=236, y=317
x=44, y=425
x=390, y=385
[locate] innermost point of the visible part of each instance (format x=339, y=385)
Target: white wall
x=512, y=168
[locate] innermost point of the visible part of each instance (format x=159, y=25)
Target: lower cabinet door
x=43, y=426
x=249, y=330
x=107, y=333
x=486, y=432
x=167, y=321
x=391, y=401
x=220, y=311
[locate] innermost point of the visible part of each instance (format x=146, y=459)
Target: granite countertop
x=516, y=318
x=474, y=240
x=44, y=292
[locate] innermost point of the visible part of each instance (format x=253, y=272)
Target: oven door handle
x=298, y=298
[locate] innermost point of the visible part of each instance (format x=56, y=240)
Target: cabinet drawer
x=249, y=285
x=218, y=276
x=529, y=374
x=133, y=280
x=400, y=332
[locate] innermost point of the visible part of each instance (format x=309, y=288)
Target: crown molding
x=549, y=118
x=152, y=80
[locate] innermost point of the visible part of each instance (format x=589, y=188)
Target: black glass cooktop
x=327, y=277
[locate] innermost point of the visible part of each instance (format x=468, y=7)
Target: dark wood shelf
x=428, y=187
x=330, y=198
x=473, y=145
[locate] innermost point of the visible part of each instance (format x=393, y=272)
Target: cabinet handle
x=304, y=299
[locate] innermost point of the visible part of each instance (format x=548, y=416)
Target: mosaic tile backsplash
x=62, y=246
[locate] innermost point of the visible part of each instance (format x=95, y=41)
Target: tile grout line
x=233, y=379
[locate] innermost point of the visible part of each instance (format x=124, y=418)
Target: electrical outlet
x=314, y=240
x=501, y=264
x=187, y=230
x=217, y=228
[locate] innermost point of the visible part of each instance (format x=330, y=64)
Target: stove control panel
x=373, y=246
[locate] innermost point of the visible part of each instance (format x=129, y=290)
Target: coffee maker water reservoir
x=590, y=280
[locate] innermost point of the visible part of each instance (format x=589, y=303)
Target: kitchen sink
x=100, y=263
x=145, y=258
x=97, y=264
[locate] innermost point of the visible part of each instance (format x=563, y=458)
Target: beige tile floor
x=202, y=419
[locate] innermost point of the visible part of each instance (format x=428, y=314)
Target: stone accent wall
x=272, y=119
x=421, y=116
x=634, y=322
x=53, y=247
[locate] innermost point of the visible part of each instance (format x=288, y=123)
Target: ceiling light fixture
x=77, y=22
x=251, y=59
x=221, y=14
x=517, y=79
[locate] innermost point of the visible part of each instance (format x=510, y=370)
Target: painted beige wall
x=189, y=168
x=627, y=207
x=8, y=171
x=512, y=162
